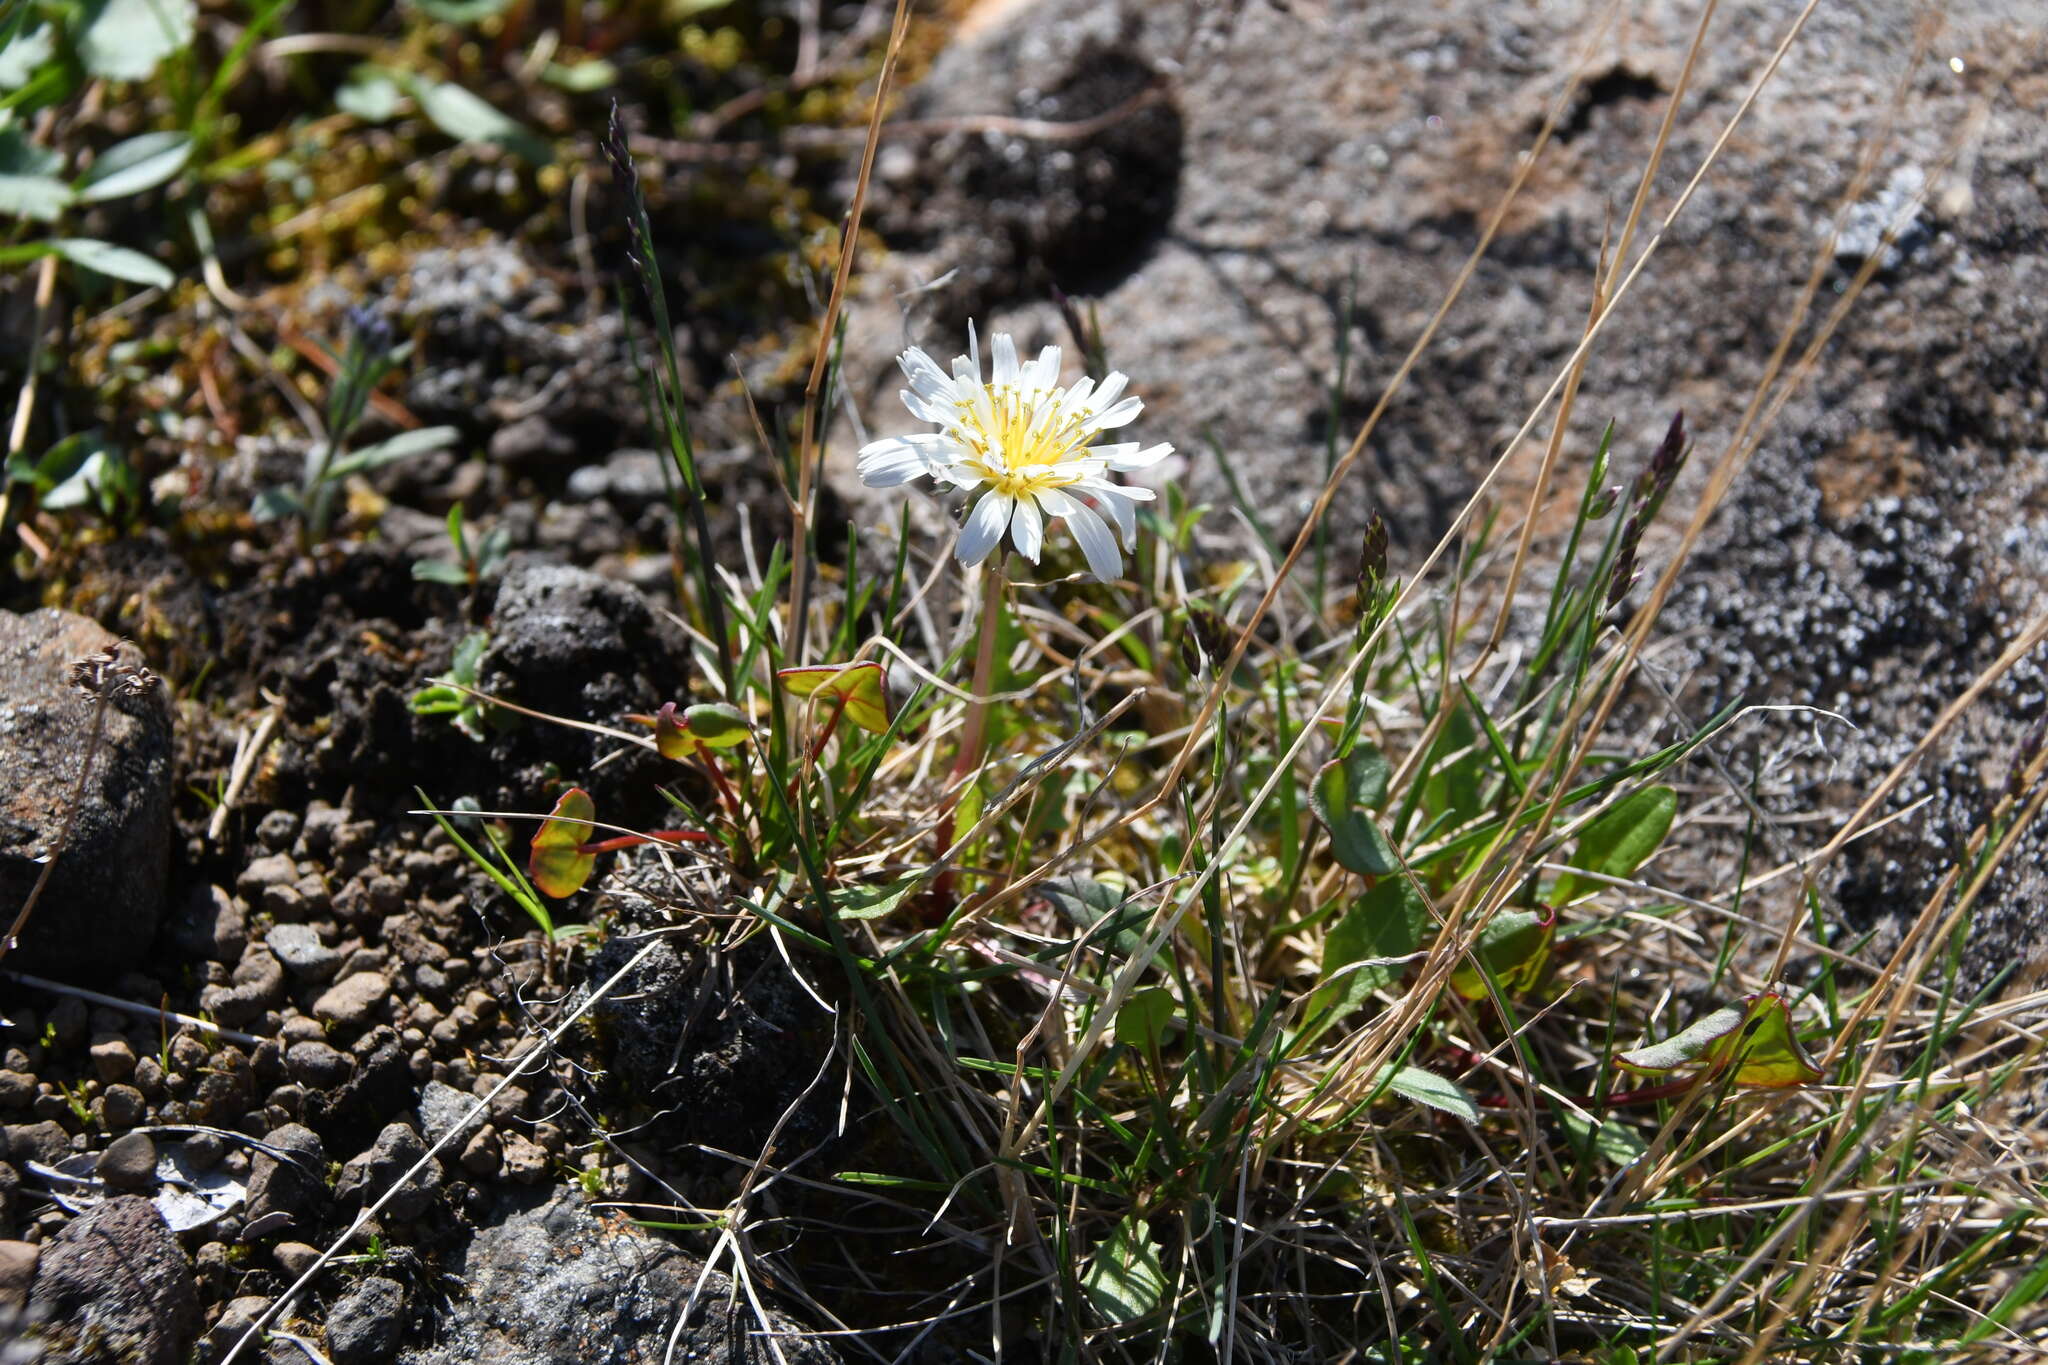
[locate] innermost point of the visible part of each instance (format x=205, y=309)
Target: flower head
x=1026, y=441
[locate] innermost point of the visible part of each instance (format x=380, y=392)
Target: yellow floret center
x=1021, y=437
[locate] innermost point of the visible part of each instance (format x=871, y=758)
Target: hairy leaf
x=1361, y=951
x=1341, y=795
x=1619, y=840
x=117, y=262
x=123, y=40
x=1438, y=1092
x=1124, y=1280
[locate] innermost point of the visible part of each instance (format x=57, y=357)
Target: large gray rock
x=113, y=1286
x=1887, y=539
x=553, y=1283
x=99, y=912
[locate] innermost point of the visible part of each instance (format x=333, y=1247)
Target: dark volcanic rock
x=365, y=1324
x=113, y=1286
x=292, y=1184
x=574, y=643
x=367, y=1177
x=725, y=1079
x=381, y=1086
x=98, y=914
x=552, y=1283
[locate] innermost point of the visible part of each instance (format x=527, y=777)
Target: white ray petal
x=925, y=375
x=1136, y=458
x=1096, y=542
x=1123, y=414
x=1004, y=353
x=1027, y=530
x=984, y=529
x=1112, y=388
x=1043, y=374
x=896, y=460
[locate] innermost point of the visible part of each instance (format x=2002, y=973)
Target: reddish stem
x=817, y=747
x=725, y=792
x=653, y=836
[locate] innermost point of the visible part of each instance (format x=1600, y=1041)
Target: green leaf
x=1698, y=1042
x=716, y=725
x=29, y=187
x=1515, y=945
x=1086, y=904
x=461, y=11
x=116, y=261
x=1124, y=1280
x=439, y=571
x=1619, y=840
x=123, y=40
x=275, y=504
x=403, y=446
x=1456, y=785
x=370, y=94
x=22, y=55
x=140, y=163
x=583, y=78
x=557, y=863
x=1143, y=1020
x=57, y=464
x=469, y=657
x=860, y=687
x=81, y=488
x=1343, y=790
x=467, y=118
x=1767, y=1054
x=871, y=902
x=1612, y=1138
x=1386, y=923
x=1437, y=1092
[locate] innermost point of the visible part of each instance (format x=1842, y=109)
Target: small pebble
x=122, y=1106
x=276, y=830
x=128, y=1163
x=17, y=1090
x=295, y=1258
x=317, y=1065
x=17, y=1273
x=353, y=1001
x=276, y=869
x=114, y=1060
x=525, y=1163
x=483, y=1154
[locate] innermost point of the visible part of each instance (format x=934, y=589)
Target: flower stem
x=974, y=734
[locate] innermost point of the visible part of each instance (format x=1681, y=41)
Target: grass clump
x=1237, y=968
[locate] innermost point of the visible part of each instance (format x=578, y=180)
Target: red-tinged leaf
x=558, y=863
x=1769, y=1057
x=1515, y=945
x=1756, y=1037
x=682, y=735
x=672, y=738
x=861, y=686
x=715, y=725
x=1694, y=1043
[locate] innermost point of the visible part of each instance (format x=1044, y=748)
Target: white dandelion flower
x=1026, y=441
